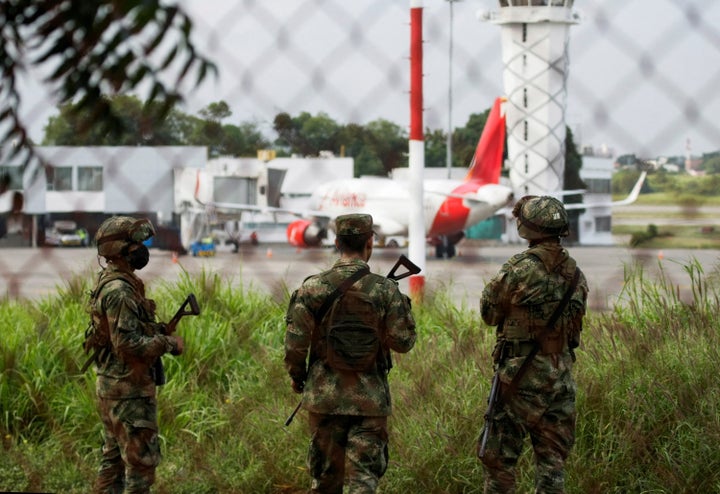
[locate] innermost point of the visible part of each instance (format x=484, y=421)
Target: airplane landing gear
x=444, y=249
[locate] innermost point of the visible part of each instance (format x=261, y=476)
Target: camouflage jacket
x=136, y=339
x=526, y=292
x=327, y=390
x=521, y=298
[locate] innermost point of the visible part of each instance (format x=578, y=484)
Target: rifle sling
x=549, y=327
x=339, y=290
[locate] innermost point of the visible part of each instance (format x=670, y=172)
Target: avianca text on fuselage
x=335, y=198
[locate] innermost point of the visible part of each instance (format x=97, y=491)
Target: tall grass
x=648, y=401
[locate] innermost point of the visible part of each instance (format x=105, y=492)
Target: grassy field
x=675, y=237
x=668, y=199
x=648, y=402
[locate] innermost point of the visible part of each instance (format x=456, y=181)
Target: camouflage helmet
x=117, y=232
x=541, y=217
x=353, y=224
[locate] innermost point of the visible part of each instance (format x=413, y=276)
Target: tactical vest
x=97, y=334
x=528, y=322
x=350, y=336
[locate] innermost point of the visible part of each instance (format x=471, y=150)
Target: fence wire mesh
x=643, y=79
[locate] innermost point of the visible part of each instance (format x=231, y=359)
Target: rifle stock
x=194, y=310
x=402, y=261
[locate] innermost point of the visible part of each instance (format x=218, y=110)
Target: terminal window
x=598, y=185
x=603, y=224
x=90, y=178
x=59, y=178
x=15, y=175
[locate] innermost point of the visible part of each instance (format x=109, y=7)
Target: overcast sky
x=644, y=74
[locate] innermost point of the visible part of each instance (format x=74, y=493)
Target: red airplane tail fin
x=487, y=160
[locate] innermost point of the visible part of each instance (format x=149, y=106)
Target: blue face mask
x=138, y=256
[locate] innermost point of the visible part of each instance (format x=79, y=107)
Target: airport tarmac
x=33, y=273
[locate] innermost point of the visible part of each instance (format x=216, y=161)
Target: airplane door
x=276, y=177
x=239, y=190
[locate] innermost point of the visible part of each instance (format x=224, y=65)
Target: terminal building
x=78, y=187
x=85, y=185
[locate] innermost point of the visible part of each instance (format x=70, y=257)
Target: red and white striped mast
x=416, y=224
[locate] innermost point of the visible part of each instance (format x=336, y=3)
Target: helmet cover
x=541, y=217
x=118, y=232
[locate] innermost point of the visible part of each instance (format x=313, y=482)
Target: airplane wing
x=387, y=227
x=632, y=197
x=229, y=206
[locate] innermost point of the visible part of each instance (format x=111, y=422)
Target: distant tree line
x=91, y=49
x=377, y=147
x=709, y=162
x=678, y=185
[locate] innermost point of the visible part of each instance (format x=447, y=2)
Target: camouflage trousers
x=131, y=450
x=347, y=449
x=543, y=407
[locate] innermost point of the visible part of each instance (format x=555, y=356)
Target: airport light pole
x=450, y=83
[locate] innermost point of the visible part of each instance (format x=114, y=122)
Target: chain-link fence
x=642, y=81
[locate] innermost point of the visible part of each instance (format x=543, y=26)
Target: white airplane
x=451, y=206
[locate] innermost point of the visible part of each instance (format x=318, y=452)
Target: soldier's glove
x=178, y=345
x=298, y=386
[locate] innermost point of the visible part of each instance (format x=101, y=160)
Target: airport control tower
x=535, y=36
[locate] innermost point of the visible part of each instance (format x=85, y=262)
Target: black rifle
x=492, y=401
x=170, y=328
x=403, y=261
x=194, y=310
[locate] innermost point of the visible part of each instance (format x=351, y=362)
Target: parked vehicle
x=66, y=234
x=205, y=247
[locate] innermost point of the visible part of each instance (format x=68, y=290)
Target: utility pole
x=416, y=223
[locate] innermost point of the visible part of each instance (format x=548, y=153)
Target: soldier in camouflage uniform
x=521, y=300
x=347, y=409
x=127, y=344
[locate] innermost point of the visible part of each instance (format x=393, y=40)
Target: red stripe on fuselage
x=453, y=214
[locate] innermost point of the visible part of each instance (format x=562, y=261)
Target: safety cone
x=269, y=253
x=174, y=257
x=661, y=256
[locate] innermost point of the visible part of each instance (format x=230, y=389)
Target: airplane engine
x=305, y=233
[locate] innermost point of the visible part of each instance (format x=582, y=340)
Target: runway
x=30, y=274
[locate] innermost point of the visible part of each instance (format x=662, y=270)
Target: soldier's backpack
x=352, y=327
